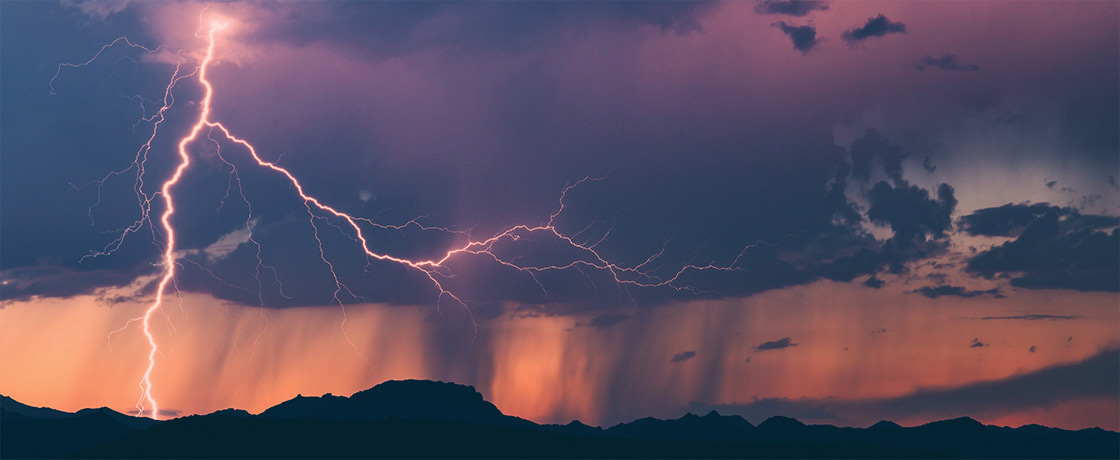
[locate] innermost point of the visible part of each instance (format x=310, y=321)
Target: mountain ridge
x=405, y=416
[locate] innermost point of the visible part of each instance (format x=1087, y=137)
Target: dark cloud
x=976, y=343
x=790, y=7
x=1032, y=349
x=683, y=356
x=1011, y=219
x=779, y=344
x=874, y=283
x=460, y=188
x=938, y=278
x=605, y=320
x=877, y=26
x=874, y=146
x=1098, y=376
x=1056, y=248
x=934, y=292
x=919, y=221
x=804, y=38
x=662, y=197
x=1035, y=317
x=910, y=211
x=383, y=30
x=821, y=237
x=1006, y=220
x=928, y=165
x=695, y=184
x=19, y=284
x=945, y=62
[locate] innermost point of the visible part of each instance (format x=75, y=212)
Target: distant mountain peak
x=405, y=399
x=885, y=425
x=779, y=422
x=963, y=422
x=16, y=407
x=418, y=389
x=231, y=412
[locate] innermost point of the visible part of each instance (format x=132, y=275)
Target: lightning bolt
x=169, y=230
x=435, y=269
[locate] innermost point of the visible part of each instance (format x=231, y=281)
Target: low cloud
x=1035, y=317
x=1097, y=376
x=21, y=284
x=683, y=356
x=779, y=344
x=605, y=320
x=877, y=26
x=934, y=292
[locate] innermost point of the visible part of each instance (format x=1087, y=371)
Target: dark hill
x=417, y=418
x=41, y=432
x=12, y=406
x=709, y=427
x=885, y=425
x=403, y=399
x=234, y=437
x=58, y=433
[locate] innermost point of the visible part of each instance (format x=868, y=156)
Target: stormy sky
x=868, y=210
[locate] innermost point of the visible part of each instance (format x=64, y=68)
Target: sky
x=837, y=211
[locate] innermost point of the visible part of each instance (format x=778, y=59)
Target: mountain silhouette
x=692, y=427
x=884, y=425
x=425, y=419
x=40, y=432
x=12, y=406
x=403, y=399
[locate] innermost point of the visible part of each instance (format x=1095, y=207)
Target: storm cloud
x=1055, y=248
x=705, y=178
